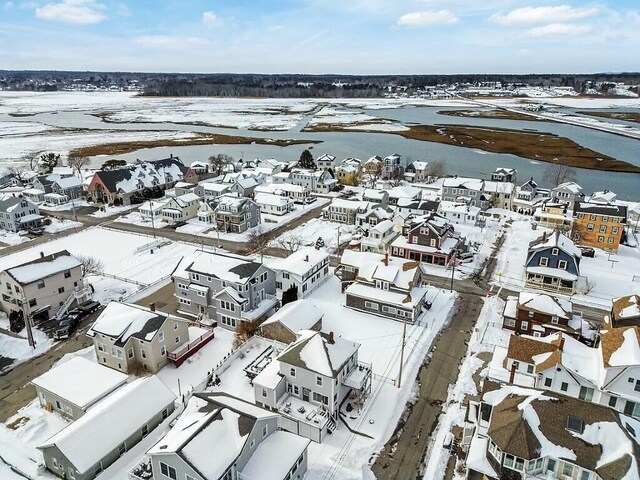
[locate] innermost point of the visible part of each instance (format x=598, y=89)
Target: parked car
x=587, y=251
x=90, y=307
x=66, y=327
x=36, y=231
x=466, y=257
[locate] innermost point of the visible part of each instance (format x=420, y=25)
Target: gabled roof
x=9, y=202
x=546, y=304
x=371, y=266
x=314, y=352
x=211, y=424
x=620, y=346
x=531, y=424
x=461, y=182
x=43, y=267
x=626, y=307
x=300, y=261
x=571, y=187
x=122, y=321
x=126, y=179
x=555, y=240
x=295, y=316
x=226, y=267
x=97, y=433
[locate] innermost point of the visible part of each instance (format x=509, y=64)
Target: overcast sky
x=321, y=36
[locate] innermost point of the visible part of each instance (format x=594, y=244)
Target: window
x=544, y=261
x=130, y=353
x=122, y=448
x=530, y=314
x=178, y=339
x=610, y=240
x=547, y=382
x=175, y=325
x=637, y=386
x=586, y=394
x=603, y=229
x=564, y=386
x=371, y=305
x=67, y=274
x=319, y=398
x=614, y=230
x=265, y=430
x=293, y=372
x=33, y=302
x=168, y=471
x=601, y=238
x=319, y=381
x=509, y=322
x=102, y=347
x=165, y=413
x=585, y=475
x=529, y=368
x=613, y=401
x=163, y=351
x=40, y=284
x=161, y=336
x=554, y=319
x=590, y=227
x=145, y=430
x=562, y=264
x=524, y=325
x=554, y=251
x=143, y=354
x=575, y=424
x=567, y=470
x=264, y=392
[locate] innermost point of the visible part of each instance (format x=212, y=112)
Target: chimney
x=512, y=374
x=41, y=254
x=561, y=344
x=306, y=258
x=330, y=339
x=544, y=236
x=152, y=307
x=386, y=258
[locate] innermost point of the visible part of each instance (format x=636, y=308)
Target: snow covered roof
x=600, y=209
x=374, y=193
x=126, y=179
x=371, y=266
x=67, y=171
x=68, y=182
x=296, y=316
x=187, y=198
x=314, y=351
x=350, y=204
x=301, y=261
x=404, y=191
x=461, y=182
x=621, y=346
x=546, y=304
x=447, y=246
x=275, y=456
x=571, y=187
x=626, y=308
x=80, y=381
x=420, y=166
x=8, y=203
x=214, y=187
x=555, y=240
x=383, y=226
x=93, y=436
x=270, y=199
x=122, y=321
x=404, y=300
x=227, y=267
x=457, y=207
x=211, y=424
x=605, y=196
x=552, y=272
x=498, y=187
x=199, y=164
x=530, y=424
x=43, y=267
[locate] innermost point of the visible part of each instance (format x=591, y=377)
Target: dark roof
x=512, y=433
x=111, y=178
x=44, y=179
x=600, y=209
x=246, y=270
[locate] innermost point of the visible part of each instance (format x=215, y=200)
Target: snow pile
x=629, y=352
x=613, y=440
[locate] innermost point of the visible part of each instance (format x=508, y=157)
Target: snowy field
x=356, y=120
x=611, y=275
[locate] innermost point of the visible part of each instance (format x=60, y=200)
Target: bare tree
x=558, y=173
x=291, y=243
x=19, y=172
x=90, y=265
x=259, y=240
x=244, y=331
x=219, y=162
x=436, y=169
x=77, y=163
x=32, y=160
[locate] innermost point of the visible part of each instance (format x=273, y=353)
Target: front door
x=305, y=394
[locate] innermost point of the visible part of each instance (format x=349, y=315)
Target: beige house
x=49, y=285
x=129, y=337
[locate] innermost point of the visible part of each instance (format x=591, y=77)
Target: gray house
x=553, y=264
x=467, y=190
x=390, y=287
x=182, y=188
x=75, y=386
x=236, y=214
x=225, y=288
x=49, y=285
x=219, y=437
x=84, y=449
x=18, y=213
x=568, y=192
x=309, y=381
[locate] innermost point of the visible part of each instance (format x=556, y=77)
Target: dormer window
x=554, y=251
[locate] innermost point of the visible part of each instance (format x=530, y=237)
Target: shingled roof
x=112, y=178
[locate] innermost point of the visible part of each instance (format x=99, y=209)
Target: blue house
x=553, y=264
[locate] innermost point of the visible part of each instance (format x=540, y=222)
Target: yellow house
x=598, y=224
x=347, y=174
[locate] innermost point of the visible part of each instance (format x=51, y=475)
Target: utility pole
x=153, y=225
x=453, y=268
x=404, y=334
x=73, y=207
x=338, y=247
x=27, y=321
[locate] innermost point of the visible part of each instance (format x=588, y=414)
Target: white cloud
x=427, y=18
x=528, y=15
x=554, y=30
x=80, y=12
x=211, y=20
x=170, y=42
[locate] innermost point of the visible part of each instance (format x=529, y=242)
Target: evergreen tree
x=290, y=295
x=48, y=161
x=306, y=160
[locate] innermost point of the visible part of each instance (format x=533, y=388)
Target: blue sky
x=321, y=36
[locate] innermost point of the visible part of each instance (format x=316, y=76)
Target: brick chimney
x=386, y=258
x=561, y=344
x=41, y=254
x=152, y=307
x=331, y=339
x=512, y=374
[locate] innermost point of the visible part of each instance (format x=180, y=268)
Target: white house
x=182, y=208
x=458, y=213
x=306, y=269
x=379, y=237
x=274, y=204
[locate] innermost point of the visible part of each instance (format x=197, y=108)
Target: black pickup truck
x=68, y=323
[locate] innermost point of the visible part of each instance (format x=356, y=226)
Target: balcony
x=262, y=308
x=198, y=338
x=359, y=378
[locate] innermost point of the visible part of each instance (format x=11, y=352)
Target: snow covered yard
x=346, y=455
x=12, y=238
x=58, y=225
x=65, y=207
x=310, y=231
x=106, y=211
x=135, y=218
x=19, y=348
